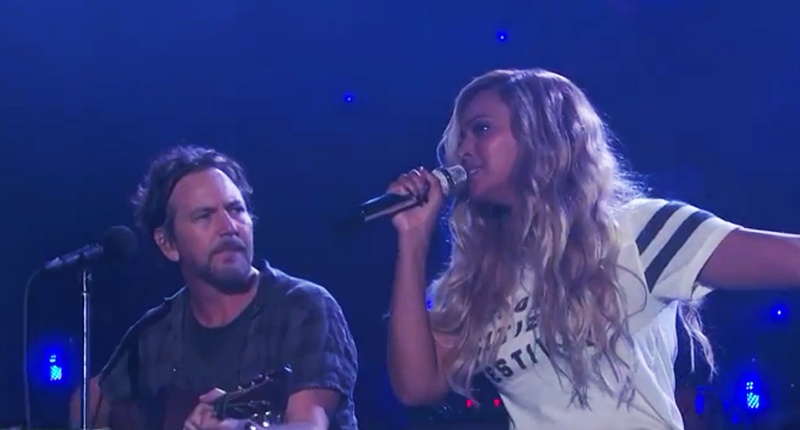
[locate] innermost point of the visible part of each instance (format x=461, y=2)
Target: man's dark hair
x=152, y=195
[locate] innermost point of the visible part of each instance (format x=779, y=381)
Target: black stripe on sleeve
x=673, y=245
x=655, y=224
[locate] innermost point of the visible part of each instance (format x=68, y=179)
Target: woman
x=564, y=281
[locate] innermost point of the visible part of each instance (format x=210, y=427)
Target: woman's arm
x=415, y=357
x=754, y=258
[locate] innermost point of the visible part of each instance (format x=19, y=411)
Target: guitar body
x=263, y=400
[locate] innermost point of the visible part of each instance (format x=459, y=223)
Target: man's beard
x=230, y=279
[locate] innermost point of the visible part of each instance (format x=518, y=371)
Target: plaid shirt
x=295, y=322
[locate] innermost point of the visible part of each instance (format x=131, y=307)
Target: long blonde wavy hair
x=565, y=234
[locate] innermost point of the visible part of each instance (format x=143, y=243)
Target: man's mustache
x=230, y=244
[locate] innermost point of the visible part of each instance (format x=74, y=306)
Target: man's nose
x=228, y=225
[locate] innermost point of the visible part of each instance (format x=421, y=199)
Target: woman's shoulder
x=635, y=215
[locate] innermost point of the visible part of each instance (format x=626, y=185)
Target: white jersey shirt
x=665, y=245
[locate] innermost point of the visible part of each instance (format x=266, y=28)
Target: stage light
x=54, y=367
x=429, y=304
x=699, y=403
x=753, y=401
x=56, y=371
x=497, y=402
x=780, y=312
x=501, y=35
x=470, y=403
x=348, y=98
x=51, y=362
x=752, y=396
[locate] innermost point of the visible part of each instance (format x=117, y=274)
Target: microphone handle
x=390, y=204
x=87, y=253
x=386, y=205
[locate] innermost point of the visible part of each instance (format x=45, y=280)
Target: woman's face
x=488, y=149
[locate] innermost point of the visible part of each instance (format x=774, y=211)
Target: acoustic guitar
x=262, y=401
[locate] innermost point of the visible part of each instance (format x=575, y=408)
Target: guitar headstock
x=263, y=399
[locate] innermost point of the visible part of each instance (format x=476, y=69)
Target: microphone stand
x=86, y=279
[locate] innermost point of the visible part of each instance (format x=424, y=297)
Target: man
x=233, y=320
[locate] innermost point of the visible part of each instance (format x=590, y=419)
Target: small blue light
x=56, y=373
x=780, y=311
x=753, y=401
x=429, y=304
x=752, y=398
x=55, y=370
x=348, y=98
x=699, y=403
x=51, y=359
x=502, y=35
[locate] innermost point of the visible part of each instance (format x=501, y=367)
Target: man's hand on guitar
x=264, y=400
x=202, y=417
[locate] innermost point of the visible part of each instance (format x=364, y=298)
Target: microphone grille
x=120, y=242
x=451, y=178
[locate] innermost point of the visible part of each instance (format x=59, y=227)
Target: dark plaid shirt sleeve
x=115, y=377
x=318, y=343
x=118, y=377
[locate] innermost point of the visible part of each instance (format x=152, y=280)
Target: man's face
x=213, y=231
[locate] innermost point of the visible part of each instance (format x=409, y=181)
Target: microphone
x=117, y=242
x=450, y=180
